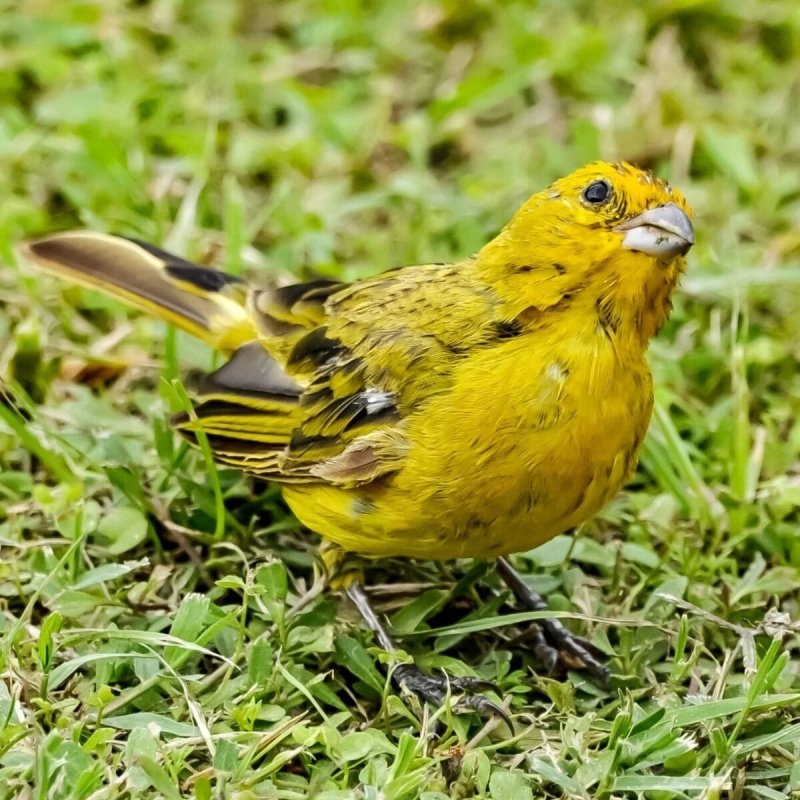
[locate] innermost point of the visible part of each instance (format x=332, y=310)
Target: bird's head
x=608, y=234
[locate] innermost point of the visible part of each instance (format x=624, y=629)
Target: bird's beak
x=663, y=232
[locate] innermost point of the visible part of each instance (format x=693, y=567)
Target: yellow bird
x=439, y=411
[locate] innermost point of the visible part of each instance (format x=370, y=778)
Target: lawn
x=161, y=630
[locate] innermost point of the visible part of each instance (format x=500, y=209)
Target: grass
x=142, y=653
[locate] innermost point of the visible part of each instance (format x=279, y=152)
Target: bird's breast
x=528, y=445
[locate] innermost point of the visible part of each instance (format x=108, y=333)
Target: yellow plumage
x=436, y=411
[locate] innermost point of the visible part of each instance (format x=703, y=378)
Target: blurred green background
x=288, y=139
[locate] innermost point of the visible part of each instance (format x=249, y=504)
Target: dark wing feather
x=285, y=315
x=285, y=427
x=248, y=409
x=251, y=370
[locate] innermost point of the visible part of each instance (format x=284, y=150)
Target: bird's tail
x=207, y=303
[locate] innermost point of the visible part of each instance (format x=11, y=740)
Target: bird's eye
x=596, y=192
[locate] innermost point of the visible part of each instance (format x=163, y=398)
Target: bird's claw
x=435, y=689
x=558, y=647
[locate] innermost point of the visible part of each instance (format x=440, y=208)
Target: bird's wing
x=339, y=368
x=259, y=418
x=321, y=374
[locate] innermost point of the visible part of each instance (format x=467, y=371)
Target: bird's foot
x=435, y=689
x=558, y=648
x=428, y=688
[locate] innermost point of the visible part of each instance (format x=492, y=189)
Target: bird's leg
x=430, y=688
x=554, y=644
